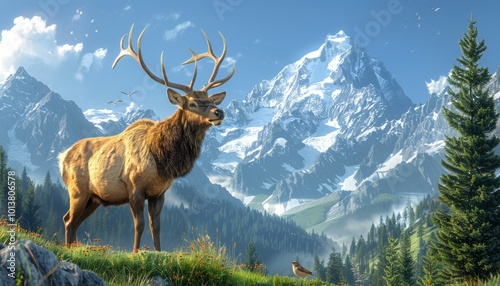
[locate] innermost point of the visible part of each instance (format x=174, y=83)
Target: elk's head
x=198, y=102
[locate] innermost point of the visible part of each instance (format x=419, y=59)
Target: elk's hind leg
x=91, y=206
x=154, y=210
x=72, y=219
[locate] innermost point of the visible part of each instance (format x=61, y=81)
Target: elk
x=142, y=162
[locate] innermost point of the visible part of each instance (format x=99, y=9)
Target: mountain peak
x=340, y=37
x=21, y=73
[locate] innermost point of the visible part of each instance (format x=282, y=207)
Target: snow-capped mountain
x=332, y=134
x=318, y=127
x=37, y=123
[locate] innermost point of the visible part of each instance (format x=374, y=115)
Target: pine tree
x=379, y=274
x=421, y=250
x=319, y=268
x=361, y=255
x=469, y=225
x=30, y=217
x=252, y=262
x=431, y=271
x=405, y=259
x=334, y=267
x=352, y=248
x=25, y=181
x=348, y=274
x=392, y=271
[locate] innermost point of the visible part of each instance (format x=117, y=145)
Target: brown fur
x=138, y=164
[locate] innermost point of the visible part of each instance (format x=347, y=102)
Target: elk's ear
x=175, y=98
x=218, y=97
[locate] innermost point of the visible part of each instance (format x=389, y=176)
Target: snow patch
x=392, y=162
x=19, y=151
x=247, y=200
x=281, y=208
x=497, y=95
x=348, y=182
x=324, y=137
x=435, y=147
x=234, y=151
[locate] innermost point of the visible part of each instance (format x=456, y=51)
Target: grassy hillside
x=198, y=262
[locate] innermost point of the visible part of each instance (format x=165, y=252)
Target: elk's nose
x=219, y=113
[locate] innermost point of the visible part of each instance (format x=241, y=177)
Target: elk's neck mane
x=175, y=143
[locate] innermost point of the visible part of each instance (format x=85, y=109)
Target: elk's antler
x=129, y=51
x=212, y=83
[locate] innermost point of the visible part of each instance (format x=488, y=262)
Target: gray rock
x=40, y=266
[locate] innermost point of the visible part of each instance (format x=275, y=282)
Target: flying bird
x=435, y=9
x=115, y=102
x=129, y=94
x=299, y=270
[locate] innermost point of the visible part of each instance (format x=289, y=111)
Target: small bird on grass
x=299, y=270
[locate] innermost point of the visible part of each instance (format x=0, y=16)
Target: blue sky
x=70, y=45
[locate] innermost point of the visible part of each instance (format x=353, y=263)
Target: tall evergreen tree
x=392, y=271
x=25, y=181
x=431, y=271
x=405, y=259
x=469, y=225
x=347, y=272
x=334, y=267
x=361, y=256
x=319, y=268
x=30, y=217
x=379, y=274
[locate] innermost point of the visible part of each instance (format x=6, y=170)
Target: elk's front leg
x=154, y=210
x=137, y=208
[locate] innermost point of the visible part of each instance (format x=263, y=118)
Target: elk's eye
x=192, y=105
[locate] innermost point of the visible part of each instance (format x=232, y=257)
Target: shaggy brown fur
x=138, y=164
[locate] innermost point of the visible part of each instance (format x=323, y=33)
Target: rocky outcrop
x=34, y=265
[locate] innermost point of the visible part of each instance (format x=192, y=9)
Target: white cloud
x=436, y=86
x=229, y=62
x=172, y=34
x=174, y=16
x=32, y=41
x=131, y=107
x=100, y=53
x=90, y=60
x=64, y=49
